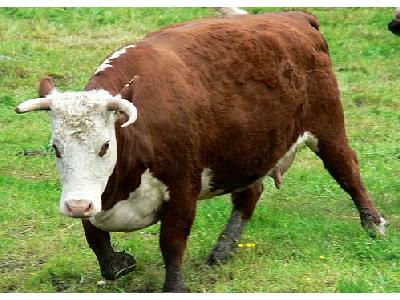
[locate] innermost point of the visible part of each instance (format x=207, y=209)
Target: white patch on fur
x=141, y=207
x=206, y=179
x=107, y=62
x=81, y=124
x=382, y=226
x=306, y=138
x=136, y=212
x=311, y=141
x=206, y=185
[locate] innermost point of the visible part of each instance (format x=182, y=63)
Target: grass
x=307, y=235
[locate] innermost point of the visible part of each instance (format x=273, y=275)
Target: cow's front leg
x=244, y=203
x=177, y=216
x=112, y=264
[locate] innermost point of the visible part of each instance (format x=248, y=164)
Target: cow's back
x=243, y=84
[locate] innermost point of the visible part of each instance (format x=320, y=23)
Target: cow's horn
x=33, y=104
x=126, y=107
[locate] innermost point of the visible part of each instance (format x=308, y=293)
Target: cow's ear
x=46, y=86
x=129, y=91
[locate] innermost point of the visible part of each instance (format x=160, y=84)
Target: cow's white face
x=86, y=148
x=84, y=141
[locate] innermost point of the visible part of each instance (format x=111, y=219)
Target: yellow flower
x=322, y=257
x=247, y=245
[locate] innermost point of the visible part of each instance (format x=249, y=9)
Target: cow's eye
x=56, y=151
x=104, y=149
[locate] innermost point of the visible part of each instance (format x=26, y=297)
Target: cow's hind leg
x=244, y=203
x=341, y=162
x=112, y=264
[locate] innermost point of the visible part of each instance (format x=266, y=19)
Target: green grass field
x=308, y=236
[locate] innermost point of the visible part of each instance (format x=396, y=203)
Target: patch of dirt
x=11, y=288
x=359, y=102
x=21, y=73
x=146, y=289
x=26, y=152
x=11, y=265
x=59, y=284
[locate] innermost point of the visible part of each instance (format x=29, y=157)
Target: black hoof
x=117, y=265
x=222, y=252
x=216, y=258
x=375, y=226
x=394, y=26
x=377, y=230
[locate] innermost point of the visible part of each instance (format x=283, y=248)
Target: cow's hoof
x=117, y=265
x=222, y=252
x=394, y=26
x=375, y=230
x=217, y=258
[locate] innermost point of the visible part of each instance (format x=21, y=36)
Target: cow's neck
x=133, y=158
x=133, y=151
x=134, y=147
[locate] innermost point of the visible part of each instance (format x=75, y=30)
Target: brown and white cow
x=215, y=106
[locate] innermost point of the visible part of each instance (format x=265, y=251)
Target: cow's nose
x=79, y=208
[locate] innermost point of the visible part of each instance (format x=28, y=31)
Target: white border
x=208, y=296
x=198, y=3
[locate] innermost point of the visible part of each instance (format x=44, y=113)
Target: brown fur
x=250, y=78
x=232, y=95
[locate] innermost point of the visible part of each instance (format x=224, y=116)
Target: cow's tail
x=304, y=16
x=394, y=25
x=229, y=11
x=314, y=22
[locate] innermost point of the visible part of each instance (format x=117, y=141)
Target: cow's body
x=221, y=103
x=238, y=98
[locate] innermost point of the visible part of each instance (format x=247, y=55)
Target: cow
x=394, y=25
x=195, y=110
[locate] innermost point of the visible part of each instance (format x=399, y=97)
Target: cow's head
x=84, y=142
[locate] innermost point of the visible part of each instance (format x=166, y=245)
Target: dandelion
x=322, y=257
x=247, y=245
